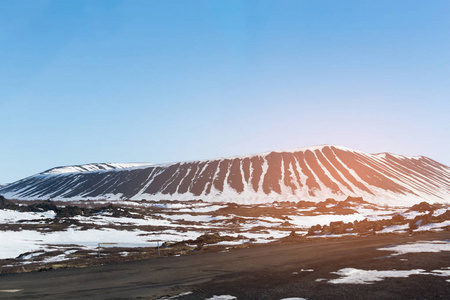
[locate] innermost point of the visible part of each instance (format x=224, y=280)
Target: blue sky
x=163, y=81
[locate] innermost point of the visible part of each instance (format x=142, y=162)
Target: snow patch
x=176, y=296
x=12, y=216
x=418, y=247
x=222, y=297
x=358, y=276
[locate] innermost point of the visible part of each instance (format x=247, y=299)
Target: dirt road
x=265, y=272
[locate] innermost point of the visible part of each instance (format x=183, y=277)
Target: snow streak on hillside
x=95, y=167
x=312, y=173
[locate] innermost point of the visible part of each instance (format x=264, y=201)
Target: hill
x=310, y=173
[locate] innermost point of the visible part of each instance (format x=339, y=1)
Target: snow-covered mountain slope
x=95, y=167
x=311, y=173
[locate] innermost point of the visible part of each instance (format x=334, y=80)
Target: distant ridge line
x=308, y=173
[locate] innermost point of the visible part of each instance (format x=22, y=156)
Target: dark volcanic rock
x=7, y=204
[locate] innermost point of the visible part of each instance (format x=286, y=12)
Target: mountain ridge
x=308, y=173
x=291, y=150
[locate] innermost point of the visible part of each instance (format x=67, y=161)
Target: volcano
x=311, y=173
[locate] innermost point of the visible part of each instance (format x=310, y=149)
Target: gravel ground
x=263, y=272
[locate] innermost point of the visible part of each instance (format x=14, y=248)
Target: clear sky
x=163, y=81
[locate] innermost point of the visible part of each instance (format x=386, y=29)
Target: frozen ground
x=47, y=236
x=347, y=268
